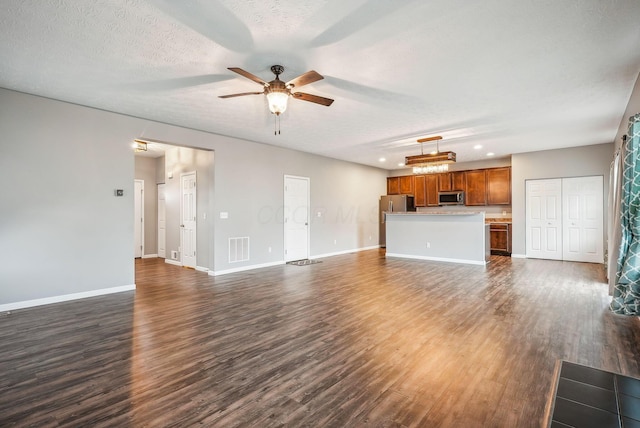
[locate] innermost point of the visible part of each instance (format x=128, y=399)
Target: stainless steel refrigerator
x=392, y=203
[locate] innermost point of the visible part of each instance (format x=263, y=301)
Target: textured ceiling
x=512, y=76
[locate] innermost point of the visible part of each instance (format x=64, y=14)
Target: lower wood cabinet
x=500, y=236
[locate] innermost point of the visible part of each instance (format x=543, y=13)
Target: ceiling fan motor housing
x=277, y=70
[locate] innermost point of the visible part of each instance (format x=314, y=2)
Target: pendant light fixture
x=430, y=163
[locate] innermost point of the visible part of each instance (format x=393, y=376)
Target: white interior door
x=138, y=218
x=544, y=219
x=162, y=222
x=188, y=219
x=583, y=219
x=296, y=218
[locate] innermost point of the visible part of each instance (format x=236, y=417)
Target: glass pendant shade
x=277, y=102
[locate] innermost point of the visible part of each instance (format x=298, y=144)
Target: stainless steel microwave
x=451, y=198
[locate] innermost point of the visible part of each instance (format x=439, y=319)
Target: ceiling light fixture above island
x=430, y=163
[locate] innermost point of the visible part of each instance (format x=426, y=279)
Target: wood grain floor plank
x=358, y=340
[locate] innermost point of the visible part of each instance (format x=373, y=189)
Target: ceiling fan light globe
x=277, y=102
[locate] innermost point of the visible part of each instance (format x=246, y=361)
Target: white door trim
x=138, y=199
x=287, y=254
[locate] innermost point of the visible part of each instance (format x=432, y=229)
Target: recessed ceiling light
x=382, y=160
x=477, y=146
x=401, y=164
x=490, y=154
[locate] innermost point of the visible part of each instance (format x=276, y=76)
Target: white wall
x=571, y=162
x=63, y=231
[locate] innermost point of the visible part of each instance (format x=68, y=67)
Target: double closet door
x=565, y=219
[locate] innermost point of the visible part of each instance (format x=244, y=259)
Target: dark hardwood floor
x=357, y=340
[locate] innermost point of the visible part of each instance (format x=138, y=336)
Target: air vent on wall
x=238, y=249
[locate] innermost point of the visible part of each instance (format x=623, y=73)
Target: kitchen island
x=459, y=237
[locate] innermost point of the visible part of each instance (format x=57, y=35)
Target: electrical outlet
x=335, y=241
x=428, y=244
x=269, y=249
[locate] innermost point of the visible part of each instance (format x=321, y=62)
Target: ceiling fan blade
x=248, y=75
x=240, y=95
x=313, y=98
x=305, y=79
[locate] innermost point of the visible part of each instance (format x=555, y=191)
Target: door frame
x=284, y=222
x=141, y=200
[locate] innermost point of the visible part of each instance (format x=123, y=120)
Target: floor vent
x=238, y=249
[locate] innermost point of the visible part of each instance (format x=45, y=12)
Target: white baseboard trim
x=202, y=269
x=173, y=262
x=339, y=253
x=437, y=259
x=65, y=297
x=150, y=256
x=282, y=262
x=518, y=256
x=244, y=268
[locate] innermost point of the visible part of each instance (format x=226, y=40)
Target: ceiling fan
x=278, y=92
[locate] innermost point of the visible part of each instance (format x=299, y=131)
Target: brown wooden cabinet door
x=431, y=186
x=499, y=186
x=476, y=187
x=406, y=185
x=393, y=185
x=444, y=182
x=500, y=236
x=419, y=184
x=457, y=180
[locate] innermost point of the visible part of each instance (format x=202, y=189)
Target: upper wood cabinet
x=444, y=182
x=431, y=186
x=420, y=191
x=458, y=180
x=499, y=186
x=406, y=185
x=393, y=185
x=476, y=187
x=491, y=186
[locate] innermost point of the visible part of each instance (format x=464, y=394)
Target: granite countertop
x=434, y=213
x=504, y=220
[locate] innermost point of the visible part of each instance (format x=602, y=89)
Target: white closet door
x=582, y=205
x=544, y=219
x=296, y=219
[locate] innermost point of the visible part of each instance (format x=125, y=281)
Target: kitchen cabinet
x=420, y=191
x=457, y=180
x=393, y=185
x=500, y=236
x=406, y=185
x=490, y=186
x=431, y=187
x=499, y=186
x=444, y=182
x=476, y=187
